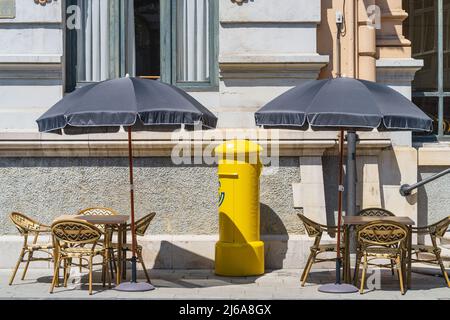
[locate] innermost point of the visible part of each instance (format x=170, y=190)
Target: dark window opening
x=147, y=38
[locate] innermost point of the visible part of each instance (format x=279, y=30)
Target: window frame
x=167, y=42
x=169, y=54
x=440, y=93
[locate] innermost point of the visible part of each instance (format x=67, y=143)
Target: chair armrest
x=420, y=230
x=328, y=228
x=43, y=228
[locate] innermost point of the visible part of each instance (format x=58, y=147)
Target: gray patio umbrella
x=343, y=104
x=131, y=103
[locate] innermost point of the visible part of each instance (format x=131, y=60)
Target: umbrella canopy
x=344, y=103
x=125, y=102
x=128, y=102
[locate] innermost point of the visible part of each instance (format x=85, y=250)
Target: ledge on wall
x=303, y=66
x=288, y=142
x=31, y=67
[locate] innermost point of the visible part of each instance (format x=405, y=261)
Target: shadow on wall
x=171, y=256
x=378, y=180
x=275, y=237
x=273, y=233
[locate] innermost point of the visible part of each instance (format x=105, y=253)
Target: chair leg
x=308, y=266
x=107, y=262
x=141, y=260
x=441, y=264
x=67, y=268
x=363, y=277
x=357, y=266
x=104, y=267
x=103, y=278
x=400, y=274
x=392, y=267
x=22, y=253
x=65, y=273
x=30, y=256
x=81, y=265
x=112, y=262
x=90, y=275
x=55, y=274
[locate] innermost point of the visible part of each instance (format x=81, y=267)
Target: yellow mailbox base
x=239, y=259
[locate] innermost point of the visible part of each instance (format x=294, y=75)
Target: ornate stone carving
x=42, y=2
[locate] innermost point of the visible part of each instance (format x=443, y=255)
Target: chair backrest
x=141, y=225
x=382, y=233
x=98, y=211
x=375, y=212
x=440, y=228
x=24, y=223
x=75, y=232
x=312, y=228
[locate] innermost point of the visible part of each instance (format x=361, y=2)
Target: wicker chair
x=29, y=227
x=98, y=211
x=381, y=240
x=434, y=231
x=140, y=228
x=78, y=239
x=101, y=211
x=316, y=230
x=376, y=212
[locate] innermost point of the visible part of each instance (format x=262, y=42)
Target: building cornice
x=259, y=66
x=26, y=67
x=284, y=142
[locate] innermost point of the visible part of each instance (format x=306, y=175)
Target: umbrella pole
x=133, y=286
x=339, y=287
x=340, y=194
x=133, y=235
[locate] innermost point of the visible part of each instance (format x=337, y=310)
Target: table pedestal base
x=338, y=288
x=134, y=287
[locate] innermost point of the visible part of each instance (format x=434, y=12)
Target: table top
x=114, y=219
x=358, y=220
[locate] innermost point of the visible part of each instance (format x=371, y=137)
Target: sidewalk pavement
x=204, y=285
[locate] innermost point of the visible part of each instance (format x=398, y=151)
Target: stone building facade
x=254, y=51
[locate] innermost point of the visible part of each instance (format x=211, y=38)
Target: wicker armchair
x=29, y=227
x=101, y=211
x=375, y=212
x=140, y=227
x=78, y=239
x=315, y=230
x=98, y=211
x=434, y=231
x=381, y=240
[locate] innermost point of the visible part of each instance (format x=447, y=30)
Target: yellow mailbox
x=239, y=251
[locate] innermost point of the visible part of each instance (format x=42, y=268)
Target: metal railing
x=406, y=189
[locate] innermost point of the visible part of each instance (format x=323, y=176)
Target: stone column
x=367, y=48
x=395, y=67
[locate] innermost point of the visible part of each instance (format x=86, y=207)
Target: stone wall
x=31, y=63
x=184, y=197
x=434, y=197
